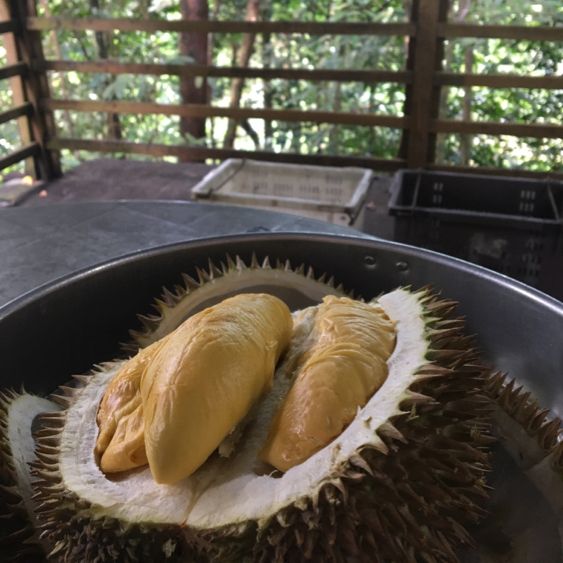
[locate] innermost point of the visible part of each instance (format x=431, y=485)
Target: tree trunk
x=268, y=93
x=244, y=53
x=58, y=54
x=102, y=42
x=194, y=45
x=466, y=139
x=334, y=132
x=458, y=17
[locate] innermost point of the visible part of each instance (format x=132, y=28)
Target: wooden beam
x=111, y=67
x=517, y=173
x=196, y=110
x=536, y=130
x=529, y=33
x=32, y=149
x=30, y=48
x=499, y=80
x=24, y=110
x=198, y=153
x=15, y=69
x=423, y=99
x=285, y=27
x=7, y=27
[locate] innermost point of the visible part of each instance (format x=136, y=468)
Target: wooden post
x=16, y=86
x=423, y=96
x=30, y=51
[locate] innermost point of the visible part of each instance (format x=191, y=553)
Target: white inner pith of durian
x=21, y=413
x=225, y=492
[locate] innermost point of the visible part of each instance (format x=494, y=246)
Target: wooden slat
x=21, y=154
x=529, y=33
x=7, y=27
x=499, y=80
x=111, y=67
x=517, y=173
x=16, y=112
x=537, y=130
x=198, y=153
x=285, y=27
x=16, y=69
x=196, y=110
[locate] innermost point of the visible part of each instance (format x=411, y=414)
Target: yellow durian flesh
x=344, y=366
x=205, y=378
x=120, y=445
x=176, y=400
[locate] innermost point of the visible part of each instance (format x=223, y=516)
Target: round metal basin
x=65, y=327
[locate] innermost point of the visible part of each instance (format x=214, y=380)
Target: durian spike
x=532, y=435
x=216, y=281
x=537, y=422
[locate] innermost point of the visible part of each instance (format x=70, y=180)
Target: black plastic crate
x=511, y=225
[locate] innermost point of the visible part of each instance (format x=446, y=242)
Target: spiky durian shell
x=532, y=435
x=70, y=528
x=407, y=498
x=220, y=281
x=411, y=500
x=18, y=534
x=545, y=430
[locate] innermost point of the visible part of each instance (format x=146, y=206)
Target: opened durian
x=346, y=431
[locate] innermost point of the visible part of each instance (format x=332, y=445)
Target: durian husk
x=68, y=527
x=18, y=533
x=233, y=275
x=411, y=501
x=532, y=435
x=407, y=498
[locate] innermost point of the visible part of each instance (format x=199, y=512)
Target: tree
x=193, y=46
x=243, y=58
x=103, y=43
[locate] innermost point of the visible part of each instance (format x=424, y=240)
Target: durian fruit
x=398, y=484
x=18, y=528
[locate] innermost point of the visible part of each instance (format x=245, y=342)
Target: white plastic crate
x=331, y=194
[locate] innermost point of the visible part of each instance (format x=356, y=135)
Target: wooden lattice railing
x=423, y=80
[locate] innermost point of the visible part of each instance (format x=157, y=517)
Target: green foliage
x=526, y=58
x=314, y=52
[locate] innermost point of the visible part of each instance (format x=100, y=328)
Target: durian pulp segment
x=226, y=492
x=22, y=411
x=293, y=286
x=206, y=377
x=339, y=373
